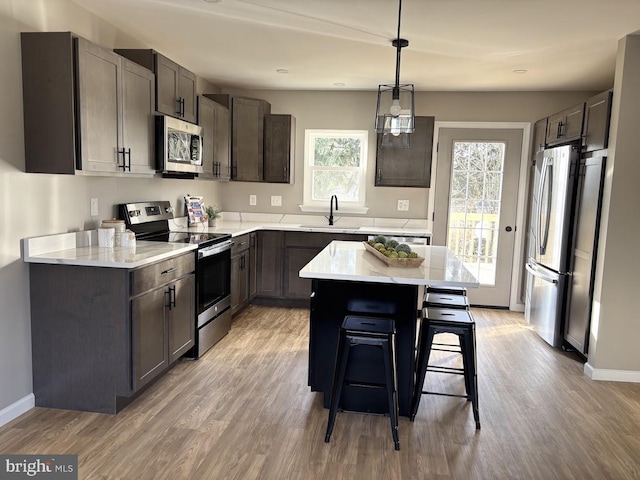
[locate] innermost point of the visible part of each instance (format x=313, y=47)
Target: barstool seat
x=446, y=290
x=356, y=331
x=458, y=322
x=444, y=300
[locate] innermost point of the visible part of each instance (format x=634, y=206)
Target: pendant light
x=395, y=111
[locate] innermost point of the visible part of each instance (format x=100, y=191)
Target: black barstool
x=458, y=322
x=357, y=331
x=445, y=300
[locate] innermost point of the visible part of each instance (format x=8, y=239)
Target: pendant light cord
x=398, y=46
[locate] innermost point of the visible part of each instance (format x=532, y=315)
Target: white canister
x=119, y=227
x=106, y=237
x=128, y=239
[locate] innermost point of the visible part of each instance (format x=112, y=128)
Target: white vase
x=212, y=222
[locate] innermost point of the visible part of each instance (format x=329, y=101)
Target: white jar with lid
x=118, y=226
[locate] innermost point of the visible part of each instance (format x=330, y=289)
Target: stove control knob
x=168, y=209
x=134, y=213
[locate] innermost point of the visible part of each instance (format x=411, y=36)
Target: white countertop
x=352, y=262
x=80, y=248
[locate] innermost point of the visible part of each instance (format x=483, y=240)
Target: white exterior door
x=475, y=205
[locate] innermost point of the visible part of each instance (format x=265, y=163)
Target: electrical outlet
x=403, y=205
x=276, y=201
x=94, y=207
x=253, y=200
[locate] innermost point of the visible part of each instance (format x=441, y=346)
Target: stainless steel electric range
x=150, y=221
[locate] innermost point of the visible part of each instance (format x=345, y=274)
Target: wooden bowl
x=394, y=262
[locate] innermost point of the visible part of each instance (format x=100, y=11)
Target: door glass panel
x=474, y=206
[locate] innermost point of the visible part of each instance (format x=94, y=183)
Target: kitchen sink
x=326, y=225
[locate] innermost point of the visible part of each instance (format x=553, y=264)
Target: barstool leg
x=389, y=370
x=467, y=376
x=469, y=360
x=424, y=350
x=342, y=356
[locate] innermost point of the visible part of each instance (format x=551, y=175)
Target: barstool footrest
x=437, y=369
x=442, y=394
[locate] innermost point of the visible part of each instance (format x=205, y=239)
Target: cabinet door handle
x=560, y=130
x=128, y=167
x=181, y=107
x=121, y=151
x=179, y=102
x=167, y=296
x=234, y=172
x=169, y=270
x=172, y=294
x=242, y=261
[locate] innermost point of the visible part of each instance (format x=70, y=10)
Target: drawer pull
x=170, y=270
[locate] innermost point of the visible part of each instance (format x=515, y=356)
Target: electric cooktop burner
x=199, y=238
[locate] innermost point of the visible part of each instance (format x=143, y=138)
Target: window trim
x=310, y=135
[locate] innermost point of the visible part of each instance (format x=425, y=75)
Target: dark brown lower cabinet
x=99, y=334
x=269, y=265
x=239, y=281
x=281, y=256
x=240, y=268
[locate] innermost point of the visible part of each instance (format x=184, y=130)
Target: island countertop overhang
x=350, y=261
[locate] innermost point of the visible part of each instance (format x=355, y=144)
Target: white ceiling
x=461, y=45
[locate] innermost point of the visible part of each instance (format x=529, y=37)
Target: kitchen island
x=345, y=272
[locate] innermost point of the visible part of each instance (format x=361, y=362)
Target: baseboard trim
x=602, y=374
x=16, y=409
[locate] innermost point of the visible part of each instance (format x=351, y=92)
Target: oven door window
x=214, y=279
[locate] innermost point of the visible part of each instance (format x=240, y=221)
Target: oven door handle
x=207, y=252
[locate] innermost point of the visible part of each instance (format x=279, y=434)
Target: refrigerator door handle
x=539, y=274
x=546, y=178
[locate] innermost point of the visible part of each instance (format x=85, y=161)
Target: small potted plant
x=213, y=213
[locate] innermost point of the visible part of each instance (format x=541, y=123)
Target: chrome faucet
x=331, y=208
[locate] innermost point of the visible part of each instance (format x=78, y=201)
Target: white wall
x=356, y=110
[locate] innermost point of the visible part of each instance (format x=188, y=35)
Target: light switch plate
x=94, y=207
x=403, y=205
x=276, y=201
x=253, y=200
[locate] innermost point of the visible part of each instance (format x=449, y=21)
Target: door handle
x=537, y=273
x=121, y=151
x=179, y=102
x=172, y=290
x=508, y=228
x=128, y=167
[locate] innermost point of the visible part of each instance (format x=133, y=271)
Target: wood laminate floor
x=244, y=411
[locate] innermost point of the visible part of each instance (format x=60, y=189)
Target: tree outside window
x=335, y=164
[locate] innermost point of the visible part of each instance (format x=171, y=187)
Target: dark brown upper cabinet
x=85, y=108
x=175, y=85
x=539, y=136
x=279, y=148
x=247, y=138
x=215, y=121
x=597, y=115
x=565, y=126
x=406, y=167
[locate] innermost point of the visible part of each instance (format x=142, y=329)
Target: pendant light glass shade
x=395, y=111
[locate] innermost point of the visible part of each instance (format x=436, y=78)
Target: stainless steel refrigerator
x=551, y=240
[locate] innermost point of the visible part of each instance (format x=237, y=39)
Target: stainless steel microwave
x=178, y=146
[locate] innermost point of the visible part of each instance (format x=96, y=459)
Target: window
x=335, y=164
